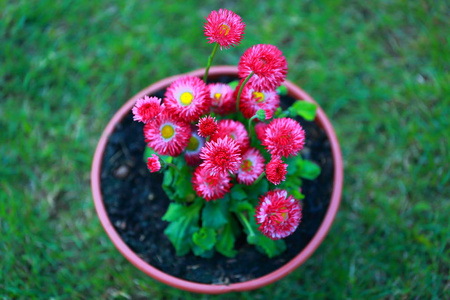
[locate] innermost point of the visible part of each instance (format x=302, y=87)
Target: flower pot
x=112, y=229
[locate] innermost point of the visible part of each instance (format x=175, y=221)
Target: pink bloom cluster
x=191, y=120
x=278, y=214
x=224, y=27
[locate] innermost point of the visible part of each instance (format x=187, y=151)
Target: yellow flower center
x=217, y=95
x=283, y=214
x=246, y=165
x=258, y=96
x=186, y=98
x=193, y=144
x=224, y=29
x=167, y=131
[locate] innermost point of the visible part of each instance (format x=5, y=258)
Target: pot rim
x=161, y=276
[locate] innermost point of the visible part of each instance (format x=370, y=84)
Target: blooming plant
x=228, y=152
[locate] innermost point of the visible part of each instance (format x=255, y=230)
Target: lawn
x=380, y=70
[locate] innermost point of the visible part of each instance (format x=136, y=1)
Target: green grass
x=379, y=69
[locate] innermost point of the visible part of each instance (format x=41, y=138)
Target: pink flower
x=222, y=98
x=210, y=187
x=224, y=27
x=252, y=166
x=252, y=100
x=167, y=135
x=146, y=108
x=192, y=153
x=260, y=130
x=153, y=163
x=187, y=98
x=207, y=126
x=268, y=64
x=278, y=214
x=276, y=170
x=221, y=156
x=235, y=130
x=284, y=137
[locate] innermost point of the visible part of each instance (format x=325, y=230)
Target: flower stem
x=172, y=166
x=259, y=178
x=245, y=223
x=210, y=58
x=250, y=125
x=240, y=89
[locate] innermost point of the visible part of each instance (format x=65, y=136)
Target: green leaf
x=270, y=247
x=184, y=222
x=214, y=214
x=237, y=193
x=294, y=163
x=240, y=206
x=167, y=183
x=296, y=193
x=175, y=211
x=309, y=170
x=265, y=245
x=233, y=84
x=304, y=109
x=199, y=251
x=149, y=152
x=205, y=238
x=168, y=178
x=282, y=90
x=257, y=190
x=225, y=241
x=177, y=183
x=183, y=186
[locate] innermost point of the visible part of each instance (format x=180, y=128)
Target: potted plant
x=225, y=150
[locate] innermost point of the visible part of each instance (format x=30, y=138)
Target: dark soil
x=135, y=202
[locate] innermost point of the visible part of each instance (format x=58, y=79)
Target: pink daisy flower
x=146, y=108
x=224, y=27
x=153, y=163
x=252, y=166
x=210, y=187
x=207, y=126
x=260, y=130
x=235, y=130
x=268, y=64
x=187, y=98
x=284, y=137
x=276, y=170
x=252, y=100
x=192, y=152
x=167, y=135
x=222, y=98
x=221, y=156
x=278, y=214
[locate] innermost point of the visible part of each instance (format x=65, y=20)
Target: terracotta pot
x=301, y=257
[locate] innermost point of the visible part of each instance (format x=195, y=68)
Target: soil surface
x=135, y=202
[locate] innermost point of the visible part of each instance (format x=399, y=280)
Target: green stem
x=250, y=126
x=245, y=223
x=173, y=166
x=210, y=58
x=240, y=89
x=259, y=178
x=284, y=114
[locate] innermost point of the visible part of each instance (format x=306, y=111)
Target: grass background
x=379, y=69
